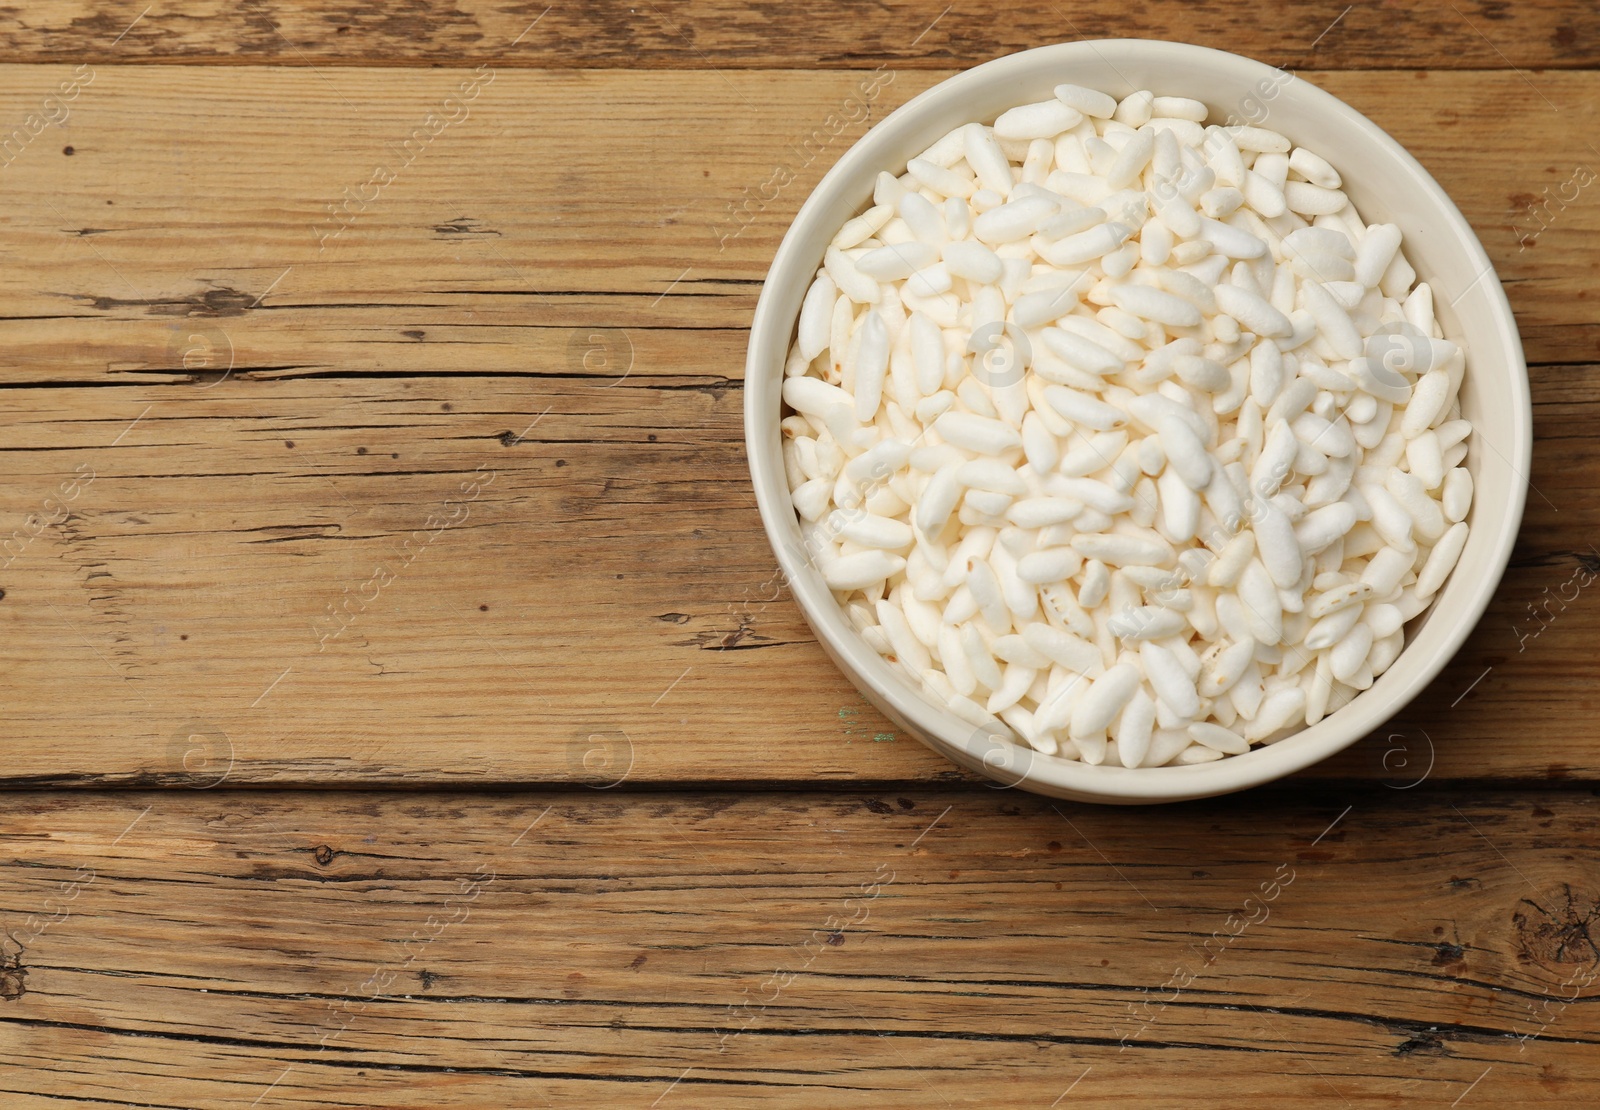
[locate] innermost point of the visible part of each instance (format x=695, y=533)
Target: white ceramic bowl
x=1384, y=182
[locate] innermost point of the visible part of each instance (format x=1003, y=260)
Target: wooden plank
x=919, y=948
x=568, y=201
x=729, y=34
x=261, y=554
x=606, y=606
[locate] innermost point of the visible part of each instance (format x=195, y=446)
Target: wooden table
x=402, y=708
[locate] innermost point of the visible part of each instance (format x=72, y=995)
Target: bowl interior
x=1385, y=184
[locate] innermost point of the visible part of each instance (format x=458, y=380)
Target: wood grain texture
x=560, y=201
x=268, y=424
x=369, y=417
x=299, y=567
x=737, y=34
x=922, y=948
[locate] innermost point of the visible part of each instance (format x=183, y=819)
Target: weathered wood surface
x=738, y=34
x=920, y=948
x=270, y=336
x=562, y=201
x=546, y=306
x=187, y=589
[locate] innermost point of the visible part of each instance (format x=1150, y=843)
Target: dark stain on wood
x=13, y=976
x=463, y=226
x=219, y=301
x=1425, y=1043
x=1555, y=929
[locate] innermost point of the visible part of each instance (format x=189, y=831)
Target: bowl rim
x=940, y=729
